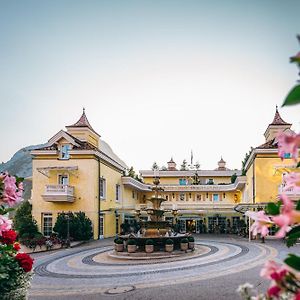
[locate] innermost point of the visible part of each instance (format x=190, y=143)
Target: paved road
x=68, y=274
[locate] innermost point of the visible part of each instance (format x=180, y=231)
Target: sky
x=157, y=78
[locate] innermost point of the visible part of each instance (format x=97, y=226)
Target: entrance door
x=191, y=226
x=216, y=224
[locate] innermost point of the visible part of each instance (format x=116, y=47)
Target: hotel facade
x=78, y=171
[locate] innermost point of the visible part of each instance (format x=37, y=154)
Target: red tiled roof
x=268, y=145
x=83, y=122
x=278, y=120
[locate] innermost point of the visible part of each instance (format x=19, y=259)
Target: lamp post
x=67, y=216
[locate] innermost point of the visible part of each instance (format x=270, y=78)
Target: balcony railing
x=59, y=193
x=293, y=193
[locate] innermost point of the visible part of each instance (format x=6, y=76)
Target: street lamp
x=67, y=216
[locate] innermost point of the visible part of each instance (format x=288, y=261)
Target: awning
x=243, y=207
x=45, y=170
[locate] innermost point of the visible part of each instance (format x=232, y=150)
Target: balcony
x=292, y=193
x=59, y=193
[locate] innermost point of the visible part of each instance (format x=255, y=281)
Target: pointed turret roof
x=278, y=120
x=83, y=122
x=222, y=160
x=171, y=161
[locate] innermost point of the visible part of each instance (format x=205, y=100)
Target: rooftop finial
x=84, y=110
x=276, y=107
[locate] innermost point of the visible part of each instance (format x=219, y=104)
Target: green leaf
x=293, y=261
x=292, y=236
x=298, y=205
x=298, y=164
x=293, y=96
x=273, y=209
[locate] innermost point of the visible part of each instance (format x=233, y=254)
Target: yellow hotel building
x=78, y=171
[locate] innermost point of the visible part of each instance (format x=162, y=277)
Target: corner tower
x=278, y=125
x=83, y=130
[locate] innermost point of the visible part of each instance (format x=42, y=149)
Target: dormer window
x=65, y=151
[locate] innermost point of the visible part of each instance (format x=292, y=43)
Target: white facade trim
x=190, y=173
x=258, y=151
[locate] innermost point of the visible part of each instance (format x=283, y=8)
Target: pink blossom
x=292, y=181
x=269, y=268
x=274, y=291
x=278, y=276
x=5, y=224
x=288, y=143
x=283, y=221
x=288, y=216
x=261, y=224
x=12, y=194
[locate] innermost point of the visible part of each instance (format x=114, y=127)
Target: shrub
x=169, y=242
x=24, y=223
x=80, y=226
x=131, y=242
x=119, y=241
x=184, y=240
x=191, y=239
x=149, y=242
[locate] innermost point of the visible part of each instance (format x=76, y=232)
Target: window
x=224, y=195
x=198, y=197
x=102, y=188
x=167, y=197
x=182, y=196
x=182, y=181
x=63, y=179
x=216, y=197
x=47, y=224
x=133, y=195
x=118, y=192
x=65, y=152
x=210, y=181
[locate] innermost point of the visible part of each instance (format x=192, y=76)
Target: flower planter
x=17, y=294
x=119, y=247
x=191, y=245
x=149, y=248
x=184, y=246
x=169, y=248
x=131, y=248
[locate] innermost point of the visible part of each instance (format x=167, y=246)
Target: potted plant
x=184, y=244
x=149, y=247
x=169, y=246
x=131, y=246
x=191, y=242
x=119, y=245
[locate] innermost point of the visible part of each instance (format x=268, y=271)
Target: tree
x=247, y=155
x=155, y=166
x=131, y=172
x=233, y=178
x=183, y=166
x=163, y=168
x=80, y=226
x=24, y=223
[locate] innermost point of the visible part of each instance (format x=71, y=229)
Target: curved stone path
x=91, y=270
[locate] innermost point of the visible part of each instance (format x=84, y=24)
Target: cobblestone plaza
x=213, y=271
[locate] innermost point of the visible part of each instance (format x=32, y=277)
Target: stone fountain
x=155, y=228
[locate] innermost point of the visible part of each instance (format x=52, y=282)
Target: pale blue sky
x=157, y=78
